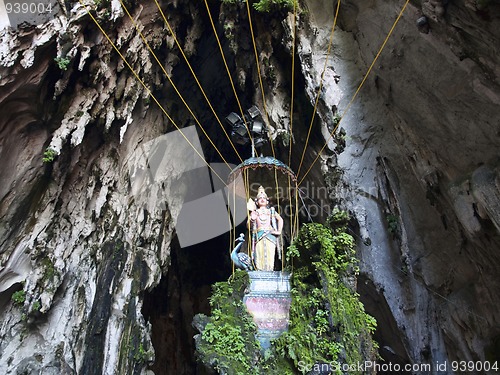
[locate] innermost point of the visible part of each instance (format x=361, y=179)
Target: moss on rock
x=227, y=342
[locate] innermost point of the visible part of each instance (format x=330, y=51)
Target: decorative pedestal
x=269, y=304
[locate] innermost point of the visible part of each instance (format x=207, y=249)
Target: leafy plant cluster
x=49, y=155
x=392, y=224
x=267, y=6
x=284, y=137
x=49, y=270
x=328, y=323
x=62, y=62
x=106, y=3
x=228, y=341
x=19, y=297
x=338, y=220
x=273, y=5
x=340, y=138
x=103, y=8
x=142, y=355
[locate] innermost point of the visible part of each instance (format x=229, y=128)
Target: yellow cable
x=232, y=227
x=148, y=90
x=296, y=220
x=359, y=88
x=291, y=205
x=233, y=214
x=262, y=90
x=260, y=77
x=228, y=72
x=296, y=210
x=293, y=81
x=291, y=221
x=196, y=79
x=173, y=84
x=320, y=87
x=277, y=189
x=249, y=224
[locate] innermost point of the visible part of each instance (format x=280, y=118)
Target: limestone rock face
x=82, y=241
x=74, y=238
x=421, y=167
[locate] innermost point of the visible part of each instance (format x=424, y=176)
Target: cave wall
x=77, y=237
x=421, y=157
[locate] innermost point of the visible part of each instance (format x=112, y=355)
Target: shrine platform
x=268, y=301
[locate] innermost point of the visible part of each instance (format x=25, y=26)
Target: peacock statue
x=241, y=260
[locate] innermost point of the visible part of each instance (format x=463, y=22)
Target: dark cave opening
x=182, y=293
x=184, y=289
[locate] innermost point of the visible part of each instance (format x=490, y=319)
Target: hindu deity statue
x=266, y=226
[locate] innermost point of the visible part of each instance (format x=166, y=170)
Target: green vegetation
x=231, y=1
x=267, y=6
x=100, y=4
x=328, y=323
x=338, y=220
x=482, y=4
x=142, y=354
x=62, y=62
x=336, y=119
x=19, y=297
x=340, y=138
x=229, y=29
x=228, y=341
x=283, y=137
x=333, y=176
x=49, y=155
x=134, y=352
x=36, y=306
x=269, y=69
x=49, y=271
x=392, y=224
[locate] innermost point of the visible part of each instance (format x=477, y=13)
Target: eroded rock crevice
x=181, y=294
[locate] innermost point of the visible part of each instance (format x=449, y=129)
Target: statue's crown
x=261, y=192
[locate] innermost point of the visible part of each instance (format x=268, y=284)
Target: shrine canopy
x=277, y=178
